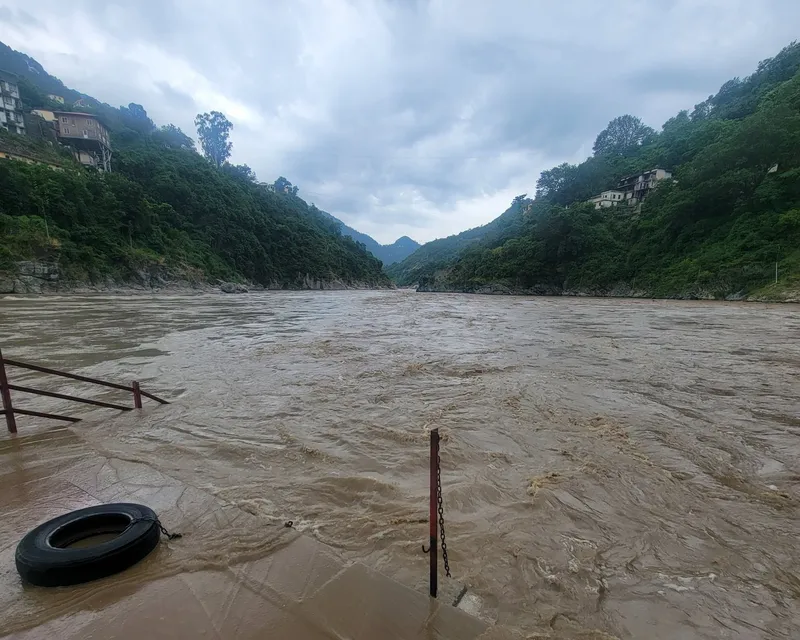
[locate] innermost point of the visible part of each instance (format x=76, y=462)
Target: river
x=619, y=467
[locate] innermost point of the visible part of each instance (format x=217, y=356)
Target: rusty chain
x=441, y=513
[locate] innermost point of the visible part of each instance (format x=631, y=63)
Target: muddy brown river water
x=611, y=468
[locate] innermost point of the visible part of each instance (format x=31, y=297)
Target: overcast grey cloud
x=416, y=117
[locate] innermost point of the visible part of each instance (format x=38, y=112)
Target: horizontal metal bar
x=73, y=376
x=63, y=396
x=39, y=414
x=152, y=397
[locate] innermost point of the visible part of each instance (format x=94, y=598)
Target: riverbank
x=772, y=293
x=42, y=278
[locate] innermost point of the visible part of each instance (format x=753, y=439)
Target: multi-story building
x=10, y=105
x=636, y=187
x=631, y=189
x=610, y=198
x=89, y=138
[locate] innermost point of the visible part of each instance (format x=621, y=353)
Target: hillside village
x=82, y=134
x=631, y=190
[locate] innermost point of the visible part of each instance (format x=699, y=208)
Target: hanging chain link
x=441, y=513
x=161, y=527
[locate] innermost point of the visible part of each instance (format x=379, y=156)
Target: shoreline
x=786, y=297
x=121, y=290
x=31, y=277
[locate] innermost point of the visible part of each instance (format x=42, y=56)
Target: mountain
x=386, y=253
x=397, y=251
x=726, y=223
x=164, y=212
x=437, y=254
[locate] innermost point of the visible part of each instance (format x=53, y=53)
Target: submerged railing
x=9, y=410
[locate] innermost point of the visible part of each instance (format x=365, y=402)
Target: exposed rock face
x=30, y=277
x=620, y=290
x=6, y=284
x=45, y=277
x=232, y=287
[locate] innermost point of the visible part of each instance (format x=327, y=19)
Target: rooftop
x=74, y=113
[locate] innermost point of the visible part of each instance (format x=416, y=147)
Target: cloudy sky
x=403, y=117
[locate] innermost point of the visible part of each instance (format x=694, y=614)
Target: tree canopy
x=623, y=134
x=173, y=137
x=213, y=130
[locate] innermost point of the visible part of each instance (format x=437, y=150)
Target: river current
x=611, y=468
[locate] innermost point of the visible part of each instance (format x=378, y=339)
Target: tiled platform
x=231, y=577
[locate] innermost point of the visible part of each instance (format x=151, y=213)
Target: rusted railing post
x=5, y=392
x=433, y=551
x=137, y=395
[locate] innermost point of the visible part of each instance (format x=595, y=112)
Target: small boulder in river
x=232, y=287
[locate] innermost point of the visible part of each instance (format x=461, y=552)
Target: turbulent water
x=629, y=468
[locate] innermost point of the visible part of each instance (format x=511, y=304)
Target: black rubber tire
x=42, y=560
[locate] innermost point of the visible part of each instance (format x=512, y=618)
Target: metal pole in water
x=433, y=504
x=5, y=392
x=137, y=395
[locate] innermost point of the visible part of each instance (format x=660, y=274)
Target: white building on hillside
x=636, y=187
x=631, y=189
x=10, y=105
x=610, y=198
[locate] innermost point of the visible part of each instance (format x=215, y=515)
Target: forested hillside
x=718, y=229
x=164, y=207
x=438, y=254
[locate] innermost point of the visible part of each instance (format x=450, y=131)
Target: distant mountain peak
x=399, y=250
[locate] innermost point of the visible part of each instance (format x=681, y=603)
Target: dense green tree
x=135, y=117
x=173, y=137
x=553, y=180
x=282, y=185
x=214, y=129
x=240, y=171
x=622, y=136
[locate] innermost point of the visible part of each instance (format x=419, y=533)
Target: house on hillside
x=631, y=189
x=55, y=98
x=638, y=186
x=86, y=134
x=610, y=198
x=10, y=105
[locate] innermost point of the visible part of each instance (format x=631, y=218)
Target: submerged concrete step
x=232, y=576
x=301, y=591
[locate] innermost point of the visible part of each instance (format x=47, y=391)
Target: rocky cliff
x=622, y=290
x=35, y=277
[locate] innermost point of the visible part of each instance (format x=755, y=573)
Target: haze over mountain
x=386, y=253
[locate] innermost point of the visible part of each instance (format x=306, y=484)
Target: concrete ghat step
x=302, y=591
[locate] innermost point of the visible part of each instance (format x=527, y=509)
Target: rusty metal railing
x=9, y=410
